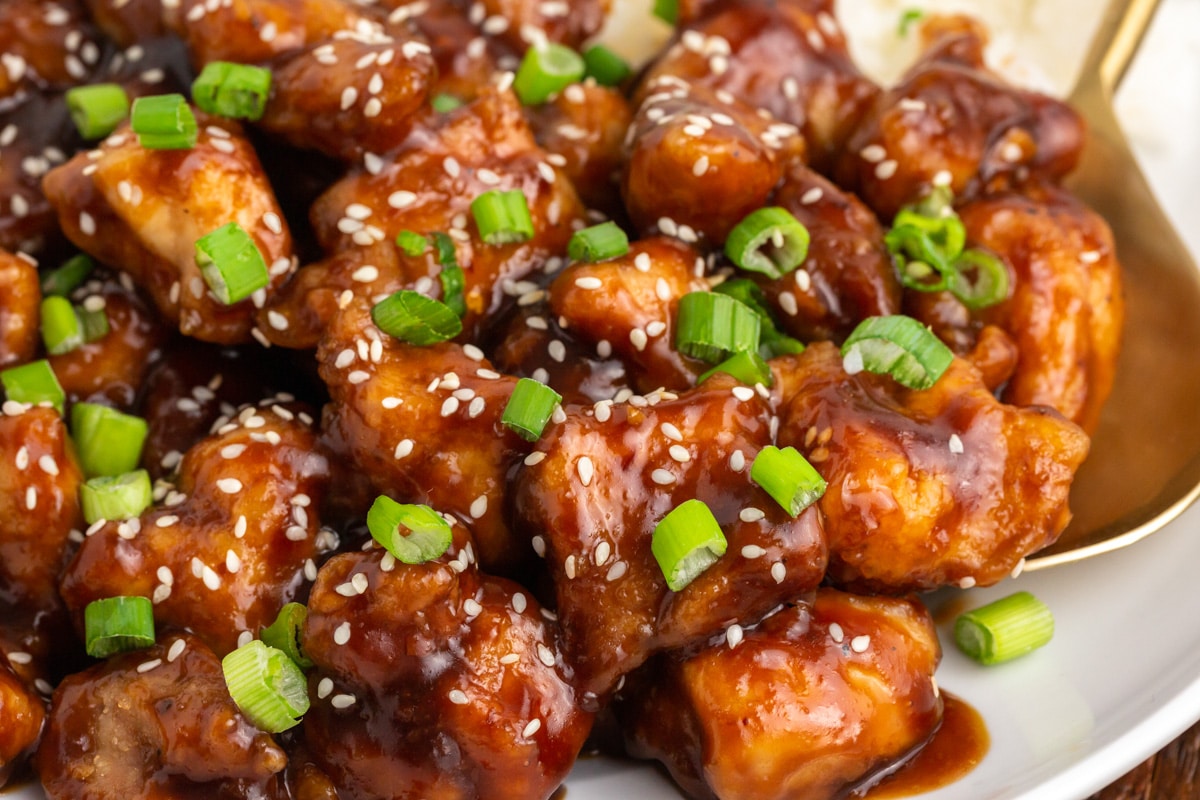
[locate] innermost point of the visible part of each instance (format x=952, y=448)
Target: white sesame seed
x=403, y=448
x=616, y=571
x=229, y=485
x=533, y=727
x=1089, y=256
x=519, y=603
x=680, y=453
x=873, y=153
x=943, y=178
x=859, y=644
x=638, y=338
x=450, y=406
x=588, y=282
x=212, y=581
x=602, y=553
x=232, y=562
x=48, y=464
x=87, y=224
x=787, y=301
x=20, y=658
x=534, y=458
x=569, y=567
x=585, y=469
x=324, y=688
x=545, y=655
x=886, y=169
x=836, y=633
x=479, y=506
x=778, y=571
x=239, y=528
x=743, y=393
x=31, y=498
x=852, y=363
x=734, y=635
x=539, y=546
x=176, y=650
x=458, y=697
x=955, y=444
x=401, y=199
x=753, y=551
x=358, y=376
x=751, y=514
x=146, y=666
x=341, y=634
x=343, y=700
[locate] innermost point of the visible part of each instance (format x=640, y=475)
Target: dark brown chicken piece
x=1066, y=308
x=154, y=724
x=848, y=275
x=699, y=161
x=22, y=714
x=523, y=23
x=422, y=424
x=788, y=57
x=945, y=486
x=952, y=122
x=30, y=643
x=583, y=129
x=230, y=544
x=110, y=369
x=33, y=130
x=598, y=484
x=814, y=701
x=444, y=164
x=434, y=680
x=466, y=60
x=631, y=302
x=128, y=22
x=45, y=45
x=142, y=211
x=20, y=297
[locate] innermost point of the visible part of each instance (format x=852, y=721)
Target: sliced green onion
x=925, y=241
x=771, y=341
x=452, y=277
x=267, y=686
x=598, y=243
x=686, y=542
x=107, y=441
x=97, y=109
x=605, y=66
x=61, y=331
x=33, y=383
x=231, y=263
x=237, y=91
x=749, y=368
x=412, y=533
x=412, y=243
x=116, y=497
x=502, y=217
x=66, y=279
x=1003, y=630
x=978, y=279
x=414, y=318
x=714, y=326
x=284, y=633
x=788, y=477
x=164, y=122
x=445, y=103
x=94, y=324
x=907, y=19
x=529, y=408
x=667, y=11
x=769, y=240
x=546, y=70
x=118, y=625
x=898, y=346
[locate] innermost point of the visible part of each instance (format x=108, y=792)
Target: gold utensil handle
x=1116, y=42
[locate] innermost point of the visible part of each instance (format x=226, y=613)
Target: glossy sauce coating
x=19, y=315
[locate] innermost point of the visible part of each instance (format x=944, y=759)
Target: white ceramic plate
x=1122, y=676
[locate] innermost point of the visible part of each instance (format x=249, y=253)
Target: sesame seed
x=734, y=635
x=557, y=350
x=753, y=551
x=239, y=528
x=535, y=458
x=873, y=153
x=341, y=634
x=20, y=658
x=229, y=485
x=403, y=448
x=588, y=282
x=616, y=571
x=602, y=553
x=642, y=260
x=30, y=498
x=943, y=178
x=859, y=644
x=401, y=199
x=638, y=338
x=1089, y=257
x=365, y=274
x=146, y=666
x=533, y=727
x=787, y=301
x=212, y=581
x=87, y=224
x=778, y=571
x=343, y=700
x=955, y=444
x=671, y=432
x=472, y=607
x=886, y=169
x=176, y=650
x=737, y=461
x=458, y=697
x=545, y=655
x=743, y=393
x=539, y=546
x=680, y=453
x=450, y=406
x=585, y=469
x=479, y=506
x=324, y=688
x=751, y=514
x=232, y=562
x=48, y=464
x=569, y=567
x=358, y=376
x=836, y=633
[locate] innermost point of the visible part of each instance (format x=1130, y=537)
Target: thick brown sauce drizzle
x=957, y=748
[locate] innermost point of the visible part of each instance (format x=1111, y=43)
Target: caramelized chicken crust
x=153, y=724
x=814, y=701
x=20, y=296
x=946, y=486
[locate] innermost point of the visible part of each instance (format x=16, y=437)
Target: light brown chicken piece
x=945, y=486
x=142, y=211
x=20, y=297
x=128, y=22
x=811, y=703
x=522, y=23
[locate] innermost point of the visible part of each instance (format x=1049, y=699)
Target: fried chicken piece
x=20, y=298
x=435, y=680
x=45, y=45
x=445, y=163
x=422, y=425
x=700, y=160
x=231, y=544
x=257, y=31
x=142, y=211
x=848, y=275
x=153, y=724
x=128, y=22
x=952, y=122
x=33, y=133
x=607, y=476
x=787, y=57
x=631, y=302
x=523, y=23
x=945, y=486
x=466, y=60
x=23, y=689
x=813, y=702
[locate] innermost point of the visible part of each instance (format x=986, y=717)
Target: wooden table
x=1172, y=773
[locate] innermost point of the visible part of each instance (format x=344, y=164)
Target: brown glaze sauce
x=955, y=749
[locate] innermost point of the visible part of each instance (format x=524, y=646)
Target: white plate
x=1122, y=676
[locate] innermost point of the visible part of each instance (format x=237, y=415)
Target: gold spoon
x=1144, y=467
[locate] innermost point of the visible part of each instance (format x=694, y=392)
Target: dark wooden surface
x=1173, y=773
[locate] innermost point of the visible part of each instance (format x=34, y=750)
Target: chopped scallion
x=771, y=341
x=714, y=326
x=284, y=633
x=116, y=497
x=598, y=243
x=237, y=91
x=978, y=279
x=749, y=368
x=117, y=625
x=502, y=217
x=164, y=122
x=66, y=279
x=907, y=19
x=107, y=441
x=546, y=70
x=1004, y=629
x=770, y=241
x=605, y=66
x=61, y=331
x=667, y=11
x=231, y=263
x=412, y=243
x=267, y=686
x=452, y=277
x=414, y=318
x=898, y=346
x=412, y=533
x=33, y=383
x=788, y=477
x=94, y=324
x=445, y=103
x=687, y=541
x=97, y=109
x=529, y=408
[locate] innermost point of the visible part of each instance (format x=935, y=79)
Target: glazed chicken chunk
x=22, y=715
x=435, y=680
x=233, y=540
x=598, y=483
x=945, y=486
x=19, y=299
x=153, y=724
x=45, y=44
x=814, y=701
